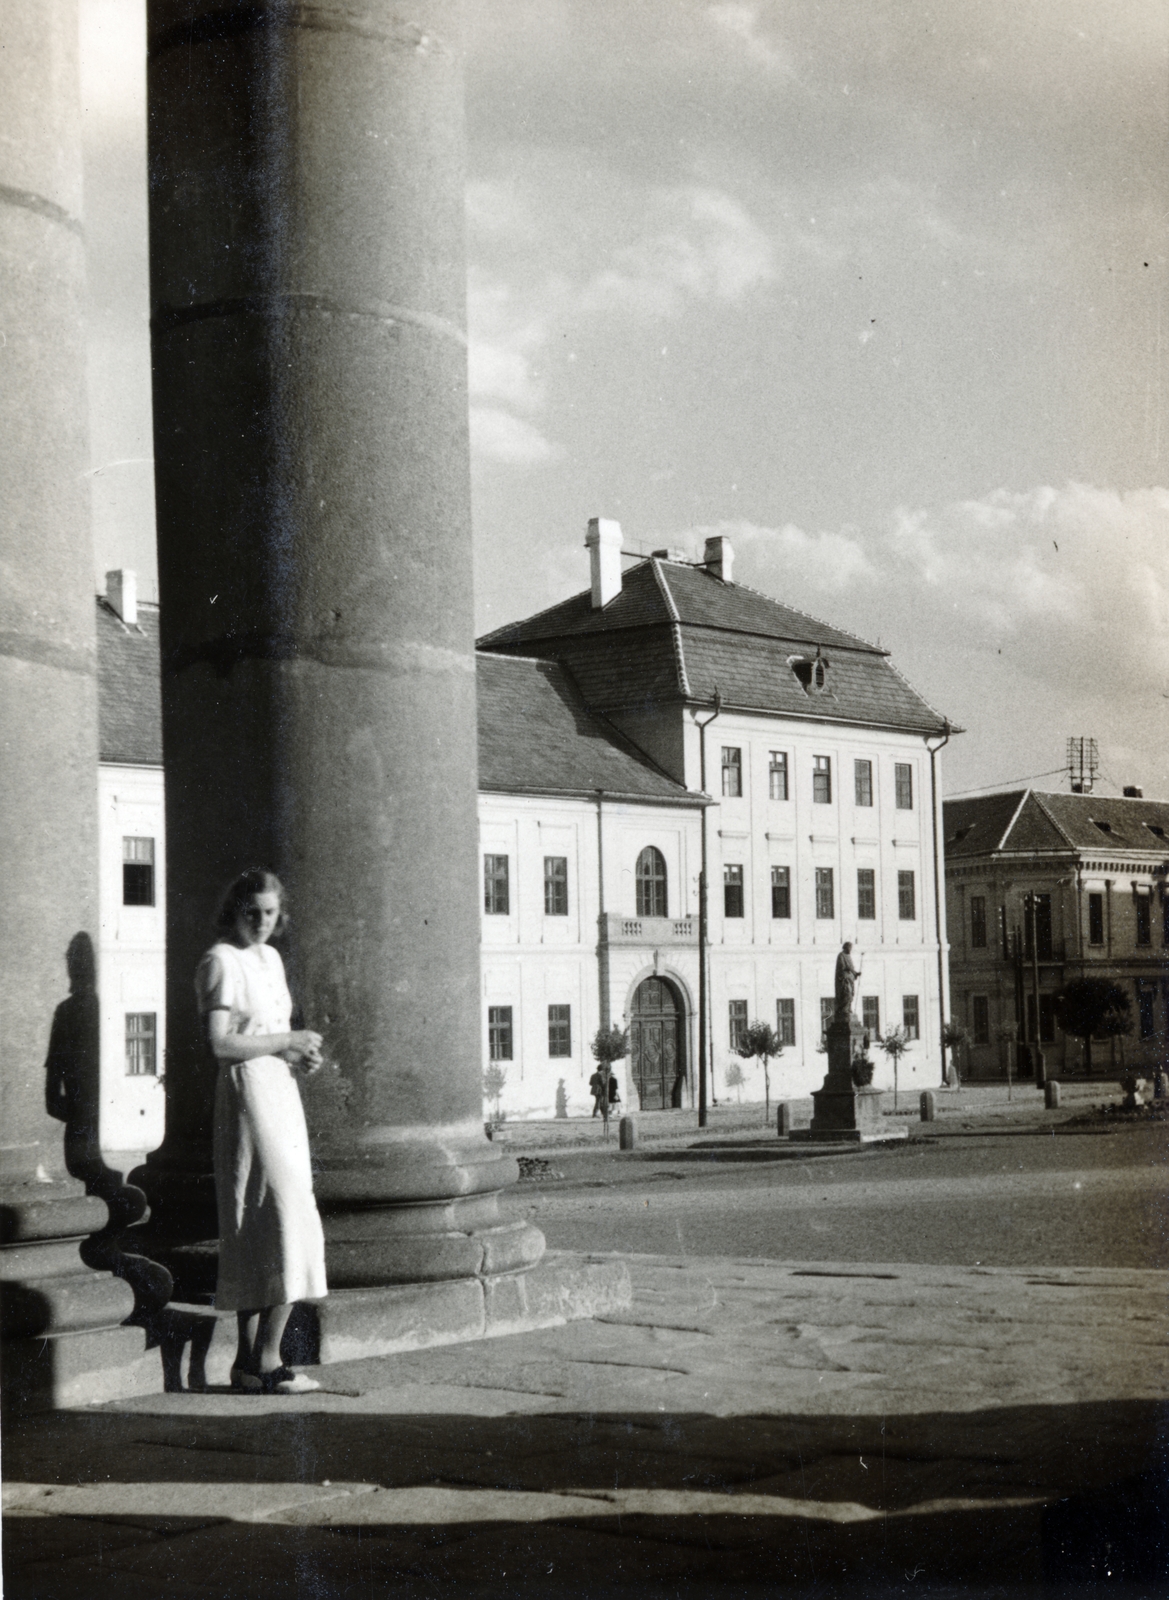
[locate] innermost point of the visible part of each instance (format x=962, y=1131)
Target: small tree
x=609, y=1045
x=1091, y=1008
x=954, y=1036
x=760, y=1039
x=895, y=1042
x=734, y=1079
x=494, y=1083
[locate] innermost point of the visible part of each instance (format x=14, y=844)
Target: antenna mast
x=1082, y=765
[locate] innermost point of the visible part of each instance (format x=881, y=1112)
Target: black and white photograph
x=584, y=797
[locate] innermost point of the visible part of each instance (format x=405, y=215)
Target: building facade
x=820, y=764
x=1044, y=888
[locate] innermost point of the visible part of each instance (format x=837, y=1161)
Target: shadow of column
x=73, y=1096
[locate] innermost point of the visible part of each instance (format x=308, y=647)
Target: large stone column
x=308, y=291
x=60, y=1320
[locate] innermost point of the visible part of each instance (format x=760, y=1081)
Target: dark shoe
x=284, y=1381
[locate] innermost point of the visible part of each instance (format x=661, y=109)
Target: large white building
x=822, y=826
x=820, y=812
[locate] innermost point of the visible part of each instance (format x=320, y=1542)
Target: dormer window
x=1156, y=829
x=1105, y=827
x=812, y=671
x=961, y=833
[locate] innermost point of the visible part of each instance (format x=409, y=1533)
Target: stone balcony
x=655, y=932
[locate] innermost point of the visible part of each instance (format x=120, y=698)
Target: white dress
x=271, y=1247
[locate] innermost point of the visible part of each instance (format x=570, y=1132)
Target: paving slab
x=742, y=1427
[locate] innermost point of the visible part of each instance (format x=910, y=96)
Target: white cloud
x=741, y=22
x=700, y=245
x=501, y=437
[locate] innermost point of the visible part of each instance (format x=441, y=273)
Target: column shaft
x=308, y=290
x=48, y=710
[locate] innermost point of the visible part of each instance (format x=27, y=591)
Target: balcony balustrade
x=653, y=931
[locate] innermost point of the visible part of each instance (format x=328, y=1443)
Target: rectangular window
x=737, y=1018
x=866, y=894
x=781, y=892
x=978, y=922
x=777, y=775
x=1041, y=915
x=555, y=886
x=137, y=872
x=732, y=770
x=559, y=1030
x=864, y=782
x=495, y=895
x=825, y=893
x=141, y=1044
x=822, y=780
x=827, y=1012
x=1146, y=1019
x=980, y=1018
x=1144, y=910
x=1096, y=918
x=732, y=891
x=903, y=785
x=785, y=1021
x=871, y=1015
x=1046, y=1017
x=906, y=897
x=910, y=1017
x=499, y=1046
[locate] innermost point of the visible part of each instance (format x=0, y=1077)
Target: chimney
x=122, y=594
x=1131, y=792
x=718, y=557
x=603, y=543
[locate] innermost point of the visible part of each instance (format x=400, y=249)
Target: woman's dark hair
x=255, y=881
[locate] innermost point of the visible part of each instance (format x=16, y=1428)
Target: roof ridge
x=675, y=625
x=819, y=621
x=947, y=725
x=1014, y=818
x=1038, y=799
x=664, y=589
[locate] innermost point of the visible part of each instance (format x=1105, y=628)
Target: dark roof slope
x=676, y=632
x=129, y=717
x=655, y=592
x=535, y=736
x=1025, y=820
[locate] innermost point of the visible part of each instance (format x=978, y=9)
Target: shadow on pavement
x=325, y=1504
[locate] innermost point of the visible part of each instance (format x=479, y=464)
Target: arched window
x=651, y=883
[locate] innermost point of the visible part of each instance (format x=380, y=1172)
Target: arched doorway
x=657, y=1044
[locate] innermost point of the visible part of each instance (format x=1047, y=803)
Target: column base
x=77, y=1369
x=354, y=1324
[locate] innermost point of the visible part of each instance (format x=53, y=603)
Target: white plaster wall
x=131, y=961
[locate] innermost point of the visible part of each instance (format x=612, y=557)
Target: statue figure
x=847, y=977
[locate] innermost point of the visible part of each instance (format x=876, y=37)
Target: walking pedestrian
x=271, y=1246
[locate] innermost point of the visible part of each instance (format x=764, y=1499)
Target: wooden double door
x=657, y=1045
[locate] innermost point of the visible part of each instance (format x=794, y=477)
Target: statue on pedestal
x=847, y=978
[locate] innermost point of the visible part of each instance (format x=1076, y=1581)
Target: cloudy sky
x=878, y=289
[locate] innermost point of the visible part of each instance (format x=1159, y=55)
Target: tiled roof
x=535, y=735
x=1026, y=820
x=677, y=632
x=699, y=599
x=129, y=701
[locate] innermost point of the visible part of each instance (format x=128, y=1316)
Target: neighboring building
x=1097, y=866
x=822, y=826
x=131, y=874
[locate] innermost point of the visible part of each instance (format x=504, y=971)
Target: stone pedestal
x=60, y=1320
x=841, y=1111
x=318, y=672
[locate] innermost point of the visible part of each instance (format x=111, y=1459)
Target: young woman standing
x=271, y=1247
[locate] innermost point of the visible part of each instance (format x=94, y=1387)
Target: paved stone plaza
x=832, y=1428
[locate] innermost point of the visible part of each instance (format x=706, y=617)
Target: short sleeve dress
x=271, y=1246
